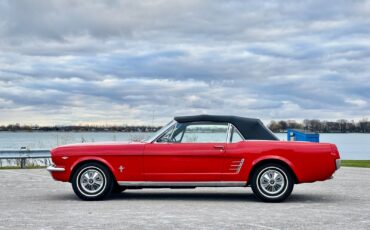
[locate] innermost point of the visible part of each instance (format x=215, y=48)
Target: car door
x=189, y=152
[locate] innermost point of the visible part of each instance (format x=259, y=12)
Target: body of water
x=354, y=146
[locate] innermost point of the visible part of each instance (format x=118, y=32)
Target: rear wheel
x=92, y=181
x=272, y=182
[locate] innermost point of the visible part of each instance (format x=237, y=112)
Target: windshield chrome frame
x=155, y=137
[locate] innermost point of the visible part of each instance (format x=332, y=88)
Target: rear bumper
x=337, y=164
x=52, y=168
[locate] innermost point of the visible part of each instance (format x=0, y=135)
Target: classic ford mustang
x=196, y=151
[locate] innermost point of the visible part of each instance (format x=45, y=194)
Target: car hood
x=102, y=143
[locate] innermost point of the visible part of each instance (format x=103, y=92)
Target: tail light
x=334, y=151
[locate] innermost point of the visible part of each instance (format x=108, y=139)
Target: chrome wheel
x=272, y=181
x=91, y=181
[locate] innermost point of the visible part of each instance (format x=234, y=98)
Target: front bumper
x=52, y=168
x=337, y=164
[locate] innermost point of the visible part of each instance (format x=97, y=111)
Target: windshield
x=161, y=130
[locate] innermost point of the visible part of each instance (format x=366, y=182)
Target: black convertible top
x=250, y=128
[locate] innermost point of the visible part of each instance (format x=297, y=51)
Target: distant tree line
x=339, y=126
x=79, y=128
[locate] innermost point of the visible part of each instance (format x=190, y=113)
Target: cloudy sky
x=143, y=62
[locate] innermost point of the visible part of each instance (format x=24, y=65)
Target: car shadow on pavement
x=185, y=196
x=216, y=197
x=203, y=196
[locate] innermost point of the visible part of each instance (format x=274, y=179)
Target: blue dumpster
x=302, y=135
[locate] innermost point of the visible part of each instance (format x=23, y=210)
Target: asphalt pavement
x=31, y=199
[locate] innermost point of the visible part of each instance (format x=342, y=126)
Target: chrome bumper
x=337, y=164
x=52, y=168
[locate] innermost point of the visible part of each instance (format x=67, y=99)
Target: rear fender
x=279, y=158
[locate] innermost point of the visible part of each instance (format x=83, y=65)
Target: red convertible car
x=196, y=151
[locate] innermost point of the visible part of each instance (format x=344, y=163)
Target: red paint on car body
x=181, y=162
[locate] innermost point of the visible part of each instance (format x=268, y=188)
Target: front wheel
x=92, y=181
x=272, y=182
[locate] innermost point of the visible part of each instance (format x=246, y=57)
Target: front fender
x=91, y=158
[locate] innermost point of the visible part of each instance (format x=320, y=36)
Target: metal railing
x=23, y=154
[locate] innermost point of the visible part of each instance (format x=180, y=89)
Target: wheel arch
x=276, y=160
x=85, y=160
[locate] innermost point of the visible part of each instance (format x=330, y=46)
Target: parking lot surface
x=30, y=199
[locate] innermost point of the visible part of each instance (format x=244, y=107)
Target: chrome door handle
x=220, y=147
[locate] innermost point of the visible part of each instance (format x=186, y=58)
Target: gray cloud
x=65, y=62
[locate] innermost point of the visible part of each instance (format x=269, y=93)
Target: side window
x=203, y=133
x=236, y=136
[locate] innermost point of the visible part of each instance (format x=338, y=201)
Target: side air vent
x=236, y=166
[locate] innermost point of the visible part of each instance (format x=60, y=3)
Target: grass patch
x=356, y=163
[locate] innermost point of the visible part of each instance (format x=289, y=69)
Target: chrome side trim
x=52, y=168
x=337, y=163
x=184, y=183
